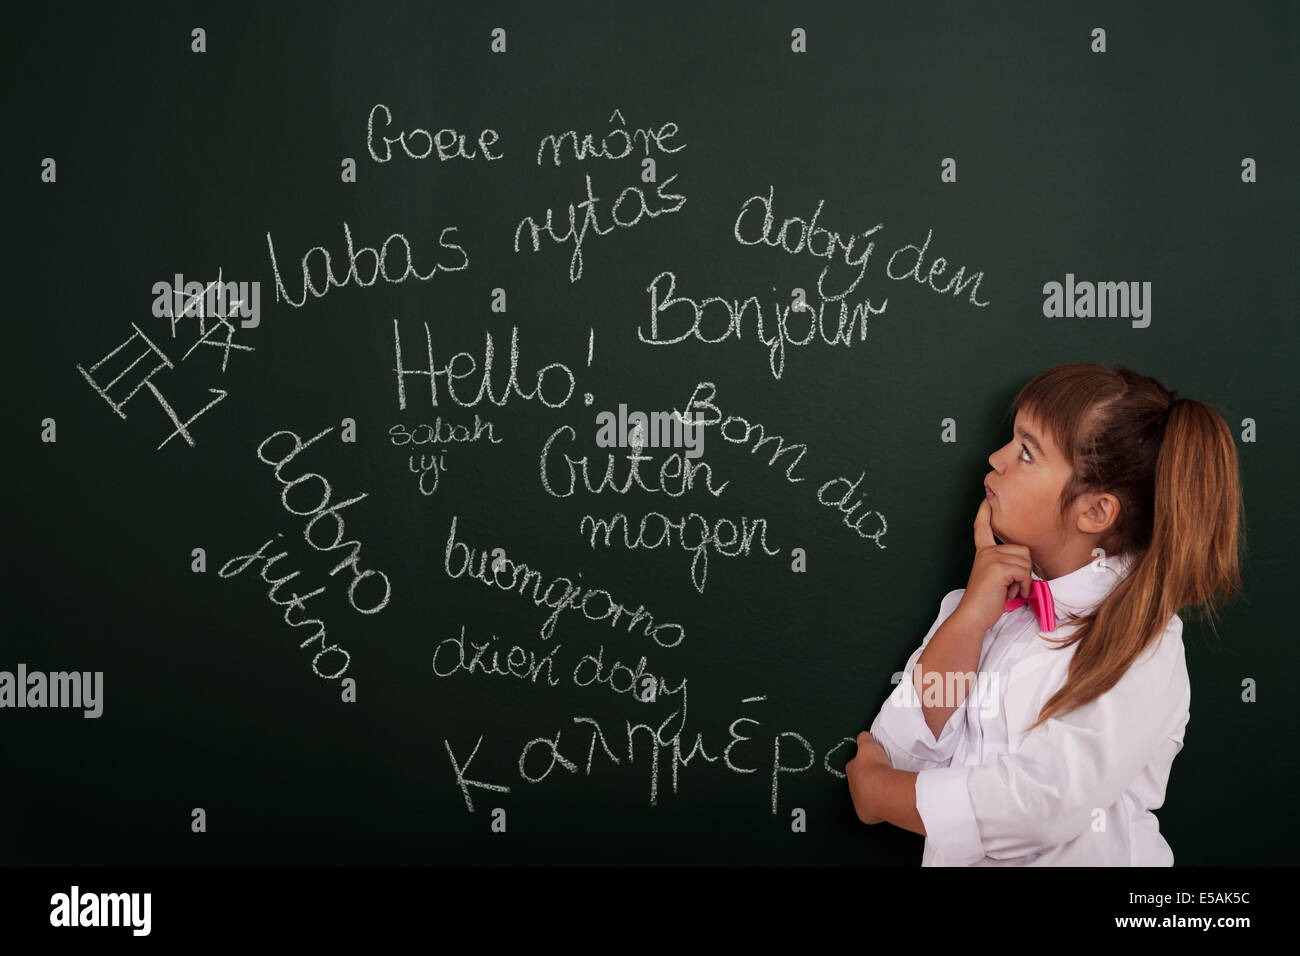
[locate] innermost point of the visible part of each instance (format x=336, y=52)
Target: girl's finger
x=983, y=527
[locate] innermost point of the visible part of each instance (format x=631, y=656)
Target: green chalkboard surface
x=367, y=559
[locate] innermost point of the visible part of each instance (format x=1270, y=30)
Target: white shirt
x=1080, y=789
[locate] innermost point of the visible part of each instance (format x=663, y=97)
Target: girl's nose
x=997, y=456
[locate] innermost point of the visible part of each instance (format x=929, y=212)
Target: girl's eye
x=1026, y=452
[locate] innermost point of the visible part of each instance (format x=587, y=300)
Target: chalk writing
x=212, y=301
x=449, y=143
x=137, y=348
x=676, y=474
x=238, y=564
x=936, y=269
x=749, y=757
x=557, y=370
x=589, y=219
x=702, y=401
x=434, y=434
x=626, y=142
x=721, y=536
x=458, y=654
x=379, y=259
x=807, y=232
x=570, y=595
x=705, y=403
x=689, y=315
x=323, y=509
x=422, y=466
x=429, y=468
x=528, y=666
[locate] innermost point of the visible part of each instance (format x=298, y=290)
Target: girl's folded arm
x=901, y=727
x=1049, y=791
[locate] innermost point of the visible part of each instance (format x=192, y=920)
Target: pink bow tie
x=1040, y=598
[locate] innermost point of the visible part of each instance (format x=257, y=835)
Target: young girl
x=1113, y=506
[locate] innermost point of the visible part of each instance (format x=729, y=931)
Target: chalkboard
x=368, y=557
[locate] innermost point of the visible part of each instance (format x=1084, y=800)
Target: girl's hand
x=870, y=756
x=999, y=573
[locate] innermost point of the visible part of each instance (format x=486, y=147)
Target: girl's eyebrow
x=1027, y=436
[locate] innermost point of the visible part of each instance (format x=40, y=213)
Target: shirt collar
x=1084, y=588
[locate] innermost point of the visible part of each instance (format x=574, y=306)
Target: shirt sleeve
x=1047, y=792
x=900, y=726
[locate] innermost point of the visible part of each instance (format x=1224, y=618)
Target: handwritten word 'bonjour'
x=728, y=319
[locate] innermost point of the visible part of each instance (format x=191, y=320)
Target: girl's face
x=1029, y=473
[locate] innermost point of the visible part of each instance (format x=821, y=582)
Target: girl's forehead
x=1027, y=421
x=1027, y=424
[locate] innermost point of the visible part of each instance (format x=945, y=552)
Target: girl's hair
x=1172, y=464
